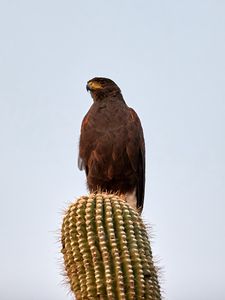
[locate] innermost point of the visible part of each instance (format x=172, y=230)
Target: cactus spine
x=106, y=251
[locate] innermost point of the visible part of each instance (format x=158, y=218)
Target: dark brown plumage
x=112, y=149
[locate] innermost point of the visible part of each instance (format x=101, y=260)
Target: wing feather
x=136, y=153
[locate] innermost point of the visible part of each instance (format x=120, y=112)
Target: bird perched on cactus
x=112, y=149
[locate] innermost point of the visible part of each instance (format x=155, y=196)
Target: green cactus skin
x=106, y=251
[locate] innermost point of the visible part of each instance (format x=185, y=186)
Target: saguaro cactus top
x=106, y=251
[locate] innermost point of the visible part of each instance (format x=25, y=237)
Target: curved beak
x=88, y=87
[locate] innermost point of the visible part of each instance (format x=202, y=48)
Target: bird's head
x=101, y=88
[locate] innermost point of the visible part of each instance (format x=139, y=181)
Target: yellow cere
x=94, y=85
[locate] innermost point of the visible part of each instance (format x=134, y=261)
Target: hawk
x=112, y=148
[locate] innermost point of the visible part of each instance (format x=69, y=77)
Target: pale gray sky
x=168, y=58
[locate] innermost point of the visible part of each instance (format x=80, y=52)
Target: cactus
x=106, y=251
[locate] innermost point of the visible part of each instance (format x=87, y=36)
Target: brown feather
x=112, y=144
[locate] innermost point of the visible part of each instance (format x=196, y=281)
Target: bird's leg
x=130, y=198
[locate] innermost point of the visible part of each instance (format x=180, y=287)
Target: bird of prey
x=112, y=148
